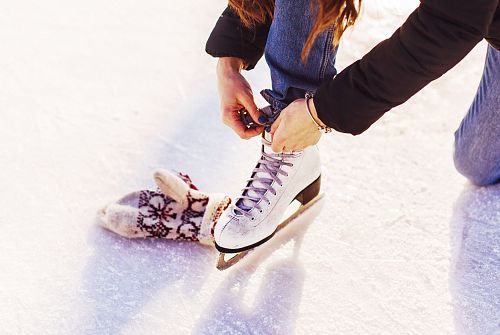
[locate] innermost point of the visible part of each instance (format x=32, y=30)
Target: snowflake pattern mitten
x=177, y=210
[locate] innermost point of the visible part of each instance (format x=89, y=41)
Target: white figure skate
x=277, y=180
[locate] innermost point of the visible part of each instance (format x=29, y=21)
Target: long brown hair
x=339, y=13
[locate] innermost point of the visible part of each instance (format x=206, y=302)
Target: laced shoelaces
x=268, y=169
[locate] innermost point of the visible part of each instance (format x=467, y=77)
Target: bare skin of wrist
x=312, y=108
x=230, y=64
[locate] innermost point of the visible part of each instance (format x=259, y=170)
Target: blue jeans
x=477, y=140
x=291, y=78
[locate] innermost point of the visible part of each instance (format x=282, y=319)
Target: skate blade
x=223, y=263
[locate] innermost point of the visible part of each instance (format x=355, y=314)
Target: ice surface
x=94, y=95
x=475, y=271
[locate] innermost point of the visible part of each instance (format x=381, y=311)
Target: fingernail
x=263, y=119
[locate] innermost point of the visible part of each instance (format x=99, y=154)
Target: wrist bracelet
x=323, y=129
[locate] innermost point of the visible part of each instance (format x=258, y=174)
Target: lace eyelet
x=260, y=211
x=253, y=219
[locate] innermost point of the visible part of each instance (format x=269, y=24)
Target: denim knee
x=475, y=165
x=477, y=140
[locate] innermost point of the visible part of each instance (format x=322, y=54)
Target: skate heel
x=310, y=192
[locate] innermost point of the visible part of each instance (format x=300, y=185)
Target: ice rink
x=94, y=95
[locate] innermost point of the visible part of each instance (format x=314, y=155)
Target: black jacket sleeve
x=230, y=38
x=435, y=37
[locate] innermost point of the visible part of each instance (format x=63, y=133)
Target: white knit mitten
x=177, y=210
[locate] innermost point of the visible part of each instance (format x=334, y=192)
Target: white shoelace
x=268, y=169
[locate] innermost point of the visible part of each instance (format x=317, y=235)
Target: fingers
x=282, y=141
x=235, y=94
x=231, y=118
x=252, y=132
x=251, y=107
x=276, y=124
x=278, y=142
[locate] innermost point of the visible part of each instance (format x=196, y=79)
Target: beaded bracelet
x=323, y=129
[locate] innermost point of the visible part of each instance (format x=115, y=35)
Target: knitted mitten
x=177, y=210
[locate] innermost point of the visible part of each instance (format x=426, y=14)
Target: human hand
x=235, y=94
x=294, y=129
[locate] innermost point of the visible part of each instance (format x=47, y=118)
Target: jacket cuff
x=230, y=38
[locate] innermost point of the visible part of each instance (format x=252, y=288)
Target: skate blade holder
x=227, y=260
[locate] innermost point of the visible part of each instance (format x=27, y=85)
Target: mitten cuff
x=217, y=203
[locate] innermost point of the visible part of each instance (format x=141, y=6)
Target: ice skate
x=255, y=216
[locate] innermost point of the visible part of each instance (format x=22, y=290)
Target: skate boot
x=177, y=210
x=277, y=180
